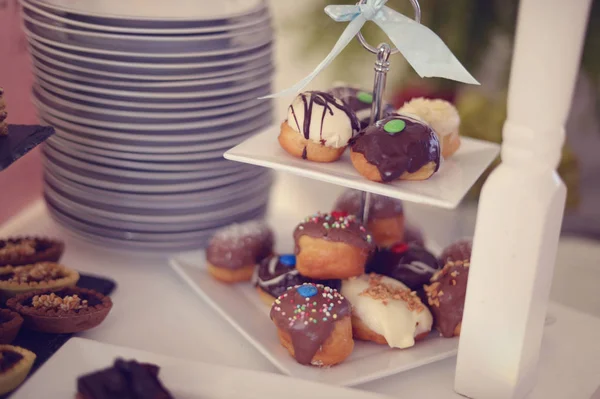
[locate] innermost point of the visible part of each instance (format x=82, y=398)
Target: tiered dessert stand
x=521, y=206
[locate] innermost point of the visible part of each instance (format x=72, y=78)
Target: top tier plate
x=445, y=189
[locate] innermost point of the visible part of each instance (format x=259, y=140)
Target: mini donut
x=396, y=148
x=443, y=118
x=446, y=297
x=460, y=250
x=386, y=311
x=386, y=215
x=360, y=101
x=332, y=246
x=318, y=127
x=275, y=274
x=314, y=324
x=234, y=251
x=407, y=263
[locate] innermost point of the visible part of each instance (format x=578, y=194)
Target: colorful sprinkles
x=288, y=260
x=337, y=220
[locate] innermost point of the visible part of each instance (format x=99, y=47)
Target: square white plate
x=445, y=189
x=185, y=379
x=241, y=306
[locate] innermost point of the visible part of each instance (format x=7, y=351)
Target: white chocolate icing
x=441, y=115
x=391, y=317
x=331, y=127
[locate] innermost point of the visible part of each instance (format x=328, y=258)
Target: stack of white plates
x=145, y=97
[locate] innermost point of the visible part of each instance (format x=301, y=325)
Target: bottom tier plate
x=241, y=306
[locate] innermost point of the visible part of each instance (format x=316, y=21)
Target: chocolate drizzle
x=394, y=154
x=125, y=380
x=446, y=296
x=328, y=102
x=351, y=97
x=409, y=264
x=293, y=313
x=337, y=228
x=274, y=277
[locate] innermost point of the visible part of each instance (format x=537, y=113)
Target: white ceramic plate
x=240, y=305
x=57, y=378
x=168, y=44
x=92, y=74
x=151, y=105
x=155, y=68
x=259, y=39
x=155, y=10
x=445, y=189
x=260, y=17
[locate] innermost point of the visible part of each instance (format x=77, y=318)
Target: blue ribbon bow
x=423, y=49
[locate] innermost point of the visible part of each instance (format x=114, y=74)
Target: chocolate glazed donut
x=397, y=147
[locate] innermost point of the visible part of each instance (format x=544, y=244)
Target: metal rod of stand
x=382, y=67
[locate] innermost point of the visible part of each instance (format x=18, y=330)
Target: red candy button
x=339, y=214
x=400, y=248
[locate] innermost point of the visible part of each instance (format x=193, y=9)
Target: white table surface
x=155, y=311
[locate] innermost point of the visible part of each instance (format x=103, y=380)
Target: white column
x=521, y=208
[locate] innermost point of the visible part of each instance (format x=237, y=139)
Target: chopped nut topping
x=21, y=248
x=384, y=292
x=433, y=292
x=53, y=301
x=45, y=271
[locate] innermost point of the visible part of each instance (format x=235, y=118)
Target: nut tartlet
x=65, y=311
x=15, y=364
x=40, y=276
x=10, y=324
x=20, y=251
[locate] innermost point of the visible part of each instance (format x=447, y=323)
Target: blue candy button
x=288, y=260
x=307, y=291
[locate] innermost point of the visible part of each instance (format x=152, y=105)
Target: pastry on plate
x=313, y=323
x=15, y=364
x=332, y=246
x=386, y=311
x=65, y=311
x=318, y=127
x=397, y=147
x=446, y=297
x=460, y=250
x=443, y=118
x=360, y=101
x=275, y=274
x=29, y=250
x=408, y=263
x=126, y=379
x=10, y=325
x=39, y=276
x=234, y=251
x=386, y=215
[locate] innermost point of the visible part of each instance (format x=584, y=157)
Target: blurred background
x=479, y=32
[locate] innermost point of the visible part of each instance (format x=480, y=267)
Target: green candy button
x=395, y=126
x=365, y=97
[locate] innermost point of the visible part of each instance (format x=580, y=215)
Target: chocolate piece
x=360, y=102
x=409, y=264
x=276, y=274
x=446, y=296
x=398, y=144
x=328, y=102
x=293, y=313
x=381, y=207
x=10, y=325
x=124, y=380
x=68, y=316
x=29, y=250
x=336, y=227
x=240, y=245
x=20, y=140
x=460, y=250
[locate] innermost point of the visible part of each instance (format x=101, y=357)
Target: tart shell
x=52, y=253
x=57, y=321
x=13, y=377
x=9, y=289
x=11, y=327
